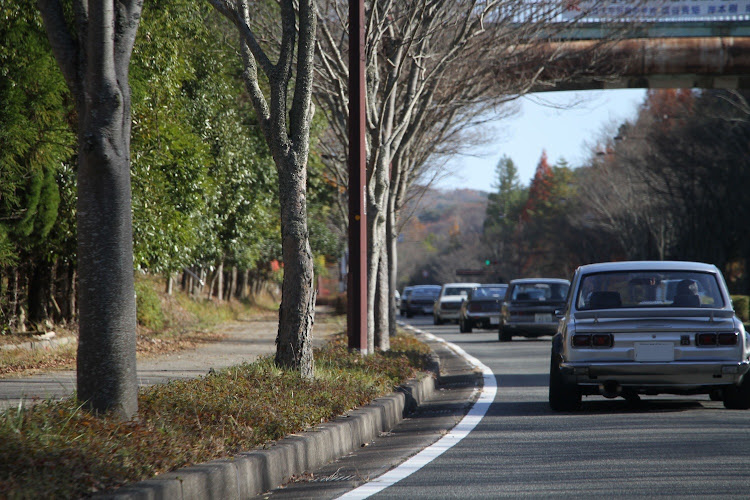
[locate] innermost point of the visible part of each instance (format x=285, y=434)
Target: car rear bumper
x=672, y=374
x=531, y=329
x=484, y=318
x=449, y=314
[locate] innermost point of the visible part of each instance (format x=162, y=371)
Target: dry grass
x=60, y=450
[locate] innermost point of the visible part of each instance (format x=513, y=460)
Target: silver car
x=634, y=328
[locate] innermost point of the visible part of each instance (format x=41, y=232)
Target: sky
x=566, y=129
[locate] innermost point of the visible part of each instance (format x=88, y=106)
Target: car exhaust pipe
x=610, y=389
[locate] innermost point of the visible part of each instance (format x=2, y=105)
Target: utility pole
x=357, y=276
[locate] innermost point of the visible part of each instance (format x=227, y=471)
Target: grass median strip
x=62, y=450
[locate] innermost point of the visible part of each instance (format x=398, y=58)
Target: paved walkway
x=245, y=341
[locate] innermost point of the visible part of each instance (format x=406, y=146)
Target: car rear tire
x=409, y=314
x=563, y=396
x=737, y=397
x=504, y=335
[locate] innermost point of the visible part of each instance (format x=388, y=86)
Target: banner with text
x=654, y=10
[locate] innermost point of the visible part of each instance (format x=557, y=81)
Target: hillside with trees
x=440, y=235
x=668, y=186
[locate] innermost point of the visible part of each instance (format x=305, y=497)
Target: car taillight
x=595, y=340
x=602, y=340
x=728, y=338
x=712, y=339
x=705, y=339
x=581, y=340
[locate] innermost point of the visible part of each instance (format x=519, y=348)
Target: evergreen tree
x=501, y=220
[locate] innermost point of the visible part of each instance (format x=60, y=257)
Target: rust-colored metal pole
x=357, y=276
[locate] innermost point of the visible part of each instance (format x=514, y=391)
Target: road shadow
x=521, y=380
x=469, y=340
x=593, y=406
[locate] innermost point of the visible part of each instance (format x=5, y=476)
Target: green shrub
x=742, y=307
x=148, y=307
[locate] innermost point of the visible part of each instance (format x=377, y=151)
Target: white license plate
x=494, y=321
x=654, y=351
x=542, y=318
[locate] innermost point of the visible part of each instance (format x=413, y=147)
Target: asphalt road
x=668, y=446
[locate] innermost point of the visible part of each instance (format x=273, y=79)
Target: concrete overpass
x=708, y=55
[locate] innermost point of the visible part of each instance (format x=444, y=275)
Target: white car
x=448, y=304
x=635, y=328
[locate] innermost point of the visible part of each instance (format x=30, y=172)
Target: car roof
x=649, y=265
x=461, y=284
x=539, y=280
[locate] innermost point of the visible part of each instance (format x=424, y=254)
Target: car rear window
x=539, y=292
x=614, y=290
x=456, y=290
x=489, y=292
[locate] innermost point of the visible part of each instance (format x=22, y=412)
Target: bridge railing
x=655, y=11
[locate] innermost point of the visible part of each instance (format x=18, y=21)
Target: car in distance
x=404, y=297
x=422, y=299
x=482, y=308
x=633, y=328
x=448, y=304
x=529, y=307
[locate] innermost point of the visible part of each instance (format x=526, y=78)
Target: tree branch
x=63, y=46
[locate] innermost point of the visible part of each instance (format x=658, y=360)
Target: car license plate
x=494, y=321
x=654, y=351
x=542, y=318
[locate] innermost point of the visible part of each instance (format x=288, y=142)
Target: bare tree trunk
x=211, y=281
x=95, y=66
x=13, y=297
x=285, y=123
x=72, y=292
x=382, y=334
x=220, y=282
x=377, y=201
x=231, y=291
x=39, y=282
x=391, y=237
x=169, y=287
x=297, y=310
x=242, y=286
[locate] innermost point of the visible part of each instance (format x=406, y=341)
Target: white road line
x=460, y=431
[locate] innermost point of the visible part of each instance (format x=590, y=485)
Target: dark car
x=529, y=307
x=422, y=300
x=404, y=298
x=482, y=308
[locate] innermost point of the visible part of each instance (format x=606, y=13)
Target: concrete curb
x=40, y=342
x=249, y=474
